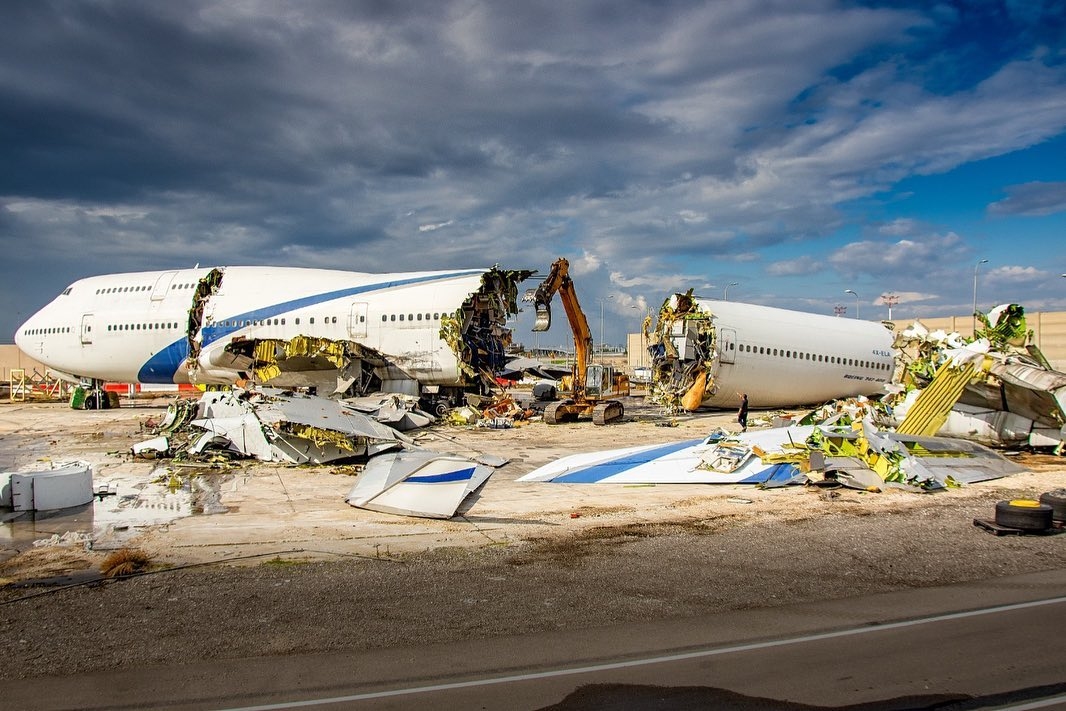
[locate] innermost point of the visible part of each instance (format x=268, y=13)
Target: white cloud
x=1016, y=275
x=434, y=226
x=800, y=266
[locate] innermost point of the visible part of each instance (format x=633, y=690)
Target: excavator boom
x=602, y=411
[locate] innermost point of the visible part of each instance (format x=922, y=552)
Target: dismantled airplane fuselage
x=708, y=353
x=419, y=335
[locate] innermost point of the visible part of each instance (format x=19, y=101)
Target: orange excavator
x=594, y=384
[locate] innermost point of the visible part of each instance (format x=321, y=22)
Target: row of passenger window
x=124, y=289
x=410, y=317
x=836, y=360
x=46, y=331
x=141, y=326
x=238, y=323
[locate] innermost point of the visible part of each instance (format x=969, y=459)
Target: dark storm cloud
x=404, y=135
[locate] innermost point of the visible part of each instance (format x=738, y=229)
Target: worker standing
x=742, y=413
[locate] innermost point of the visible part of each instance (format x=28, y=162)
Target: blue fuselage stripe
x=162, y=366
x=598, y=472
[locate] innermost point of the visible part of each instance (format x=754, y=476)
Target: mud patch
x=47, y=562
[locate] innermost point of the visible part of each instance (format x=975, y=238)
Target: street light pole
x=974, y=314
x=725, y=291
x=891, y=300
x=849, y=291
x=601, y=321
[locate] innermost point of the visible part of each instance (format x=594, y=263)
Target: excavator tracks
x=606, y=412
x=558, y=411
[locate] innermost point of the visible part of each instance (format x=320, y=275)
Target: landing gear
x=91, y=395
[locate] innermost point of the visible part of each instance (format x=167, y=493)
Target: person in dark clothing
x=742, y=413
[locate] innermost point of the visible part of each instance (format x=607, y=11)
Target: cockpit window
x=68, y=290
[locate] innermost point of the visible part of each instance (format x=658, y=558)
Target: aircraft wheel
x=441, y=409
x=1056, y=499
x=1023, y=514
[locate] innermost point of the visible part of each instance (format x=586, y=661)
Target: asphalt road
x=986, y=644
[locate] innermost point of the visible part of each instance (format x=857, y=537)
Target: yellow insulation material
x=930, y=410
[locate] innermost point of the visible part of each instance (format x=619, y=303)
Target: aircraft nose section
x=20, y=337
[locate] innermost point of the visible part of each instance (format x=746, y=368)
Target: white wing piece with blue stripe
x=687, y=462
x=419, y=483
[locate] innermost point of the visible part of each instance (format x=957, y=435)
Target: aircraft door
x=86, y=328
x=162, y=286
x=357, y=320
x=727, y=345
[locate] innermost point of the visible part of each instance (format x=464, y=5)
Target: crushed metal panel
x=398, y=411
x=151, y=448
x=991, y=427
x=244, y=434
x=962, y=461
x=418, y=483
x=1031, y=392
x=304, y=450
x=321, y=413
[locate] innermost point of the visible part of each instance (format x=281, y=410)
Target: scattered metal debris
x=273, y=425
x=853, y=452
x=996, y=388
x=270, y=425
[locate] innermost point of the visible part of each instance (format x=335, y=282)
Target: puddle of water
x=124, y=504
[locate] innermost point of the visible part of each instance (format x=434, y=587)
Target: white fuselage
x=136, y=327
x=783, y=358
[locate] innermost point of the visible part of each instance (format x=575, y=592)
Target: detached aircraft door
x=86, y=328
x=357, y=320
x=727, y=345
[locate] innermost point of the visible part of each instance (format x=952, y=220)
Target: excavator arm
x=582, y=404
x=559, y=282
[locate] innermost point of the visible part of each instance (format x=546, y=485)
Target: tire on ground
x=1023, y=514
x=1056, y=499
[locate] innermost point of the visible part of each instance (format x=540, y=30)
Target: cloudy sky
x=787, y=151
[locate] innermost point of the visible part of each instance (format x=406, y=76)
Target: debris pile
x=269, y=425
x=995, y=388
x=273, y=425
x=853, y=452
x=499, y=413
